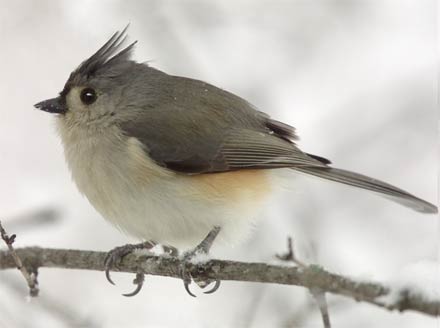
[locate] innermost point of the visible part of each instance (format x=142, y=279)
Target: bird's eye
x=88, y=96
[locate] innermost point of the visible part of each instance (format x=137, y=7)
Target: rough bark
x=312, y=276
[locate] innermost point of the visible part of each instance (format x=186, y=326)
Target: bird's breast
x=107, y=166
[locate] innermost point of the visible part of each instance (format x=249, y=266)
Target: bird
x=177, y=161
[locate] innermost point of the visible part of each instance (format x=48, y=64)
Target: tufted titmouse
x=172, y=159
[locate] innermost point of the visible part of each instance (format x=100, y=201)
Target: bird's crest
x=109, y=55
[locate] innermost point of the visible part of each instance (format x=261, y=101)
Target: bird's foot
x=115, y=256
x=198, y=255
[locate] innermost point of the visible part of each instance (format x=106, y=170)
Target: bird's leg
x=202, y=248
x=115, y=256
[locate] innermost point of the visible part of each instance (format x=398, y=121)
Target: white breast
x=153, y=203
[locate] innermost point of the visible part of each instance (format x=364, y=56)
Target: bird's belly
x=152, y=203
x=181, y=210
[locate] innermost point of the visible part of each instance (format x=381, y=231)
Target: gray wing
x=196, y=128
x=244, y=148
x=195, y=149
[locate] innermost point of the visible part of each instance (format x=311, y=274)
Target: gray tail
x=361, y=181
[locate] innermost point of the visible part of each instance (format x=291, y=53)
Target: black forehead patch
x=108, y=56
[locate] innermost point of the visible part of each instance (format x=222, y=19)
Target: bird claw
x=188, y=290
x=188, y=279
x=185, y=274
x=214, y=288
x=202, y=248
x=115, y=256
x=139, y=282
x=107, y=276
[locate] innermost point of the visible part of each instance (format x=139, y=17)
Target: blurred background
x=358, y=79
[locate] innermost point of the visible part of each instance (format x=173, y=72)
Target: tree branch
x=31, y=278
x=311, y=276
x=317, y=293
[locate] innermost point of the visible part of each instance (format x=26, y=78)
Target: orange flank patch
x=253, y=185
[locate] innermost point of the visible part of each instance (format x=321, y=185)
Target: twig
x=312, y=276
x=321, y=300
x=317, y=293
x=31, y=278
x=290, y=256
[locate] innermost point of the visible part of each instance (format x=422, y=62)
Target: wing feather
x=253, y=149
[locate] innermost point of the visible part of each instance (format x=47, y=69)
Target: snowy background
x=358, y=79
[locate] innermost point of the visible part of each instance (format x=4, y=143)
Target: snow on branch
x=310, y=276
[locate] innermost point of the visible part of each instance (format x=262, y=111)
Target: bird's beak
x=55, y=105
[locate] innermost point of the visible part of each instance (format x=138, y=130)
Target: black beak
x=54, y=105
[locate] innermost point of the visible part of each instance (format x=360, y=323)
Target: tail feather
x=361, y=181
